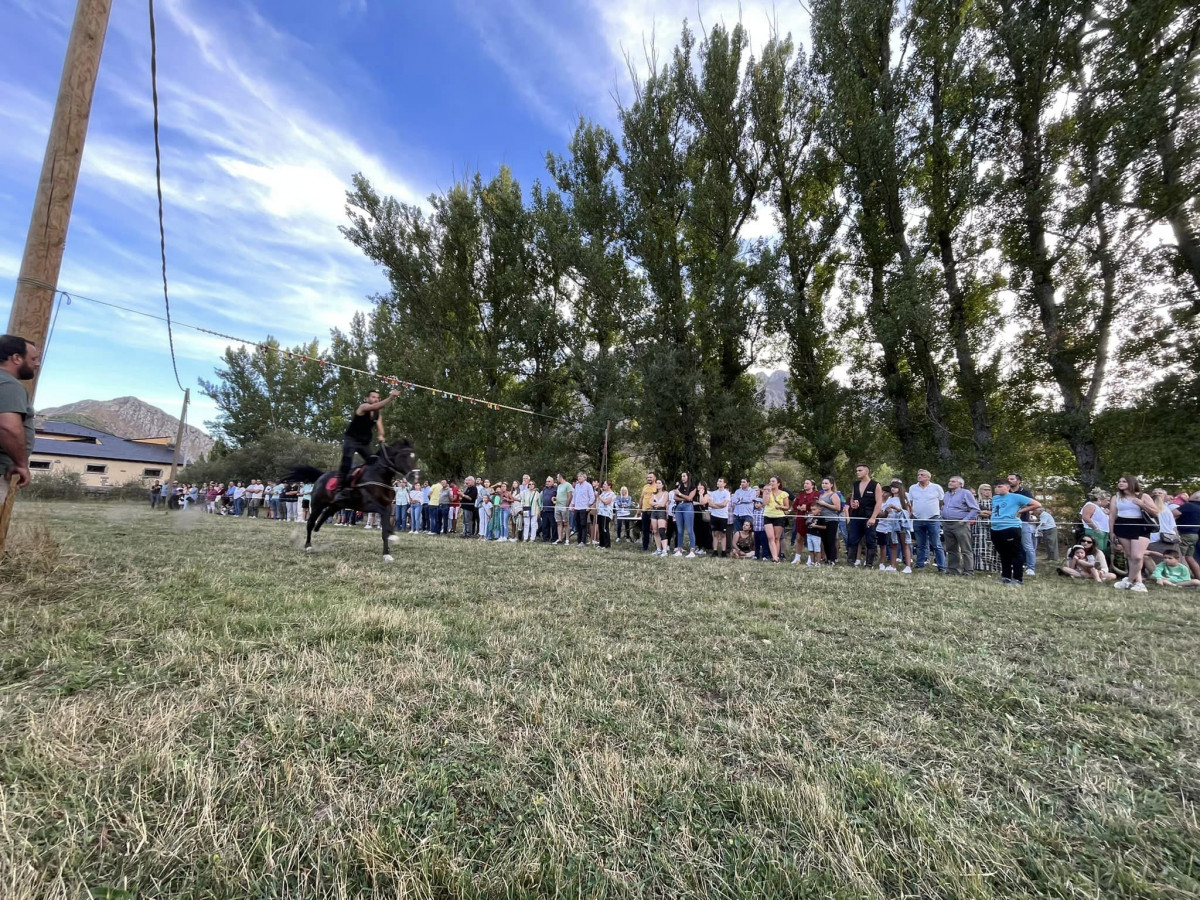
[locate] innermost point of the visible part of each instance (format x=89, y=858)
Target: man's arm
x=382, y=404
x=12, y=441
x=379, y=428
x=878, y=504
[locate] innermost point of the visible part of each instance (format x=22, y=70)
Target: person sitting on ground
x=1167, y=534
x=1171, y=572
x=743, y=542
x=1086, y=560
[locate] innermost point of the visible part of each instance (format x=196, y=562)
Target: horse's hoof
x=392, y=538
x=387, y=557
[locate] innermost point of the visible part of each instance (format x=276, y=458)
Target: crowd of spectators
x=959, y=531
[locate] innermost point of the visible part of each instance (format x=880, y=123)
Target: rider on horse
x=358, y=438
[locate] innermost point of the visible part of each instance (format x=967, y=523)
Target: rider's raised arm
x=381, y=404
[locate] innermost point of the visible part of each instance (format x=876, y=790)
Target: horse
x=373, y=493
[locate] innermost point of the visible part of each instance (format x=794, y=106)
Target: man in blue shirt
x=582, y=500
x=959, y=510
x=743, y=505
x=1028, y=526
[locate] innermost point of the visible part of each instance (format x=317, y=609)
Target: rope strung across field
x=392, y=380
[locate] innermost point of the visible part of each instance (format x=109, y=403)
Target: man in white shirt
x=926, y=499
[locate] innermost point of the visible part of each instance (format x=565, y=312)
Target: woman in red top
x=801, y=507
x=455, y=506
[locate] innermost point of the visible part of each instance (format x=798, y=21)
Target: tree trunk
x=894, y=386
x=969, y=383
x=1076, y=425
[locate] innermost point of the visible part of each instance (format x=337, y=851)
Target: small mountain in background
x=775, y=388
x=129, y=417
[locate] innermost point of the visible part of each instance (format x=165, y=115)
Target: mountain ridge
x=131, y=418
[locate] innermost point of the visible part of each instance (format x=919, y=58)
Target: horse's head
x=400, y=457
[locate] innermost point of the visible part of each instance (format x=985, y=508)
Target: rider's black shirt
x=361, y=427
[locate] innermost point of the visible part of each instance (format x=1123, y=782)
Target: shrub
x=55, y=486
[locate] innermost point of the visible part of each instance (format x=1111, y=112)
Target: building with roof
x=101, y=460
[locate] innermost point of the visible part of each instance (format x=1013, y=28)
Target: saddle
x=355, y=475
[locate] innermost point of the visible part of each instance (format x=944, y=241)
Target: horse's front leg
x=314, y=515
x=385, y=527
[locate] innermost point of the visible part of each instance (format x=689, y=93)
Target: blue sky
x=267, y=107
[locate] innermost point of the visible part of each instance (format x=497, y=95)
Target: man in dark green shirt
x=19, y=361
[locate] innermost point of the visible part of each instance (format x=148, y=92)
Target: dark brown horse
x=372, y=493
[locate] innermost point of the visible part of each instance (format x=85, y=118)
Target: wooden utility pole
x=34, y=299
x=187, y=395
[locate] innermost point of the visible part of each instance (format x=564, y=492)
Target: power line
x=162, y=231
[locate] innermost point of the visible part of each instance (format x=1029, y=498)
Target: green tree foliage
x=801, y=177
x=268, y=457
x=261, y=390
x=986, y=257
x=952, y=89
x=578, y=242
x=867, y=98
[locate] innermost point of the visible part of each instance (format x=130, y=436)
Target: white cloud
x=631, y=25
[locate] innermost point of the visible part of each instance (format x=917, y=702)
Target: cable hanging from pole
x=162, y=231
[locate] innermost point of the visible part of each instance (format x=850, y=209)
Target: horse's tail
x=304, y=474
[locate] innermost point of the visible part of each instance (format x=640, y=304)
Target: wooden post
x=34, y=299
x=187, y=395
x=6, y=511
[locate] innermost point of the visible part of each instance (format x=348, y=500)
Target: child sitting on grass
x=1171, y=572
x=1080, y=564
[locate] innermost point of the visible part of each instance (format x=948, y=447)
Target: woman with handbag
x=1134, y=518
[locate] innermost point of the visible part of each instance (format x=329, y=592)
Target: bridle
x=391, y=466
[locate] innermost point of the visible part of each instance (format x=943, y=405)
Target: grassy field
x=192, y=707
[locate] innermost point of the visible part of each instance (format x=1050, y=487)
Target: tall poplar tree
x=801, y=178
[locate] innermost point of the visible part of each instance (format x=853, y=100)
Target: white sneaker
x=890, y=569
x=691, y=555
x=1138, y=587
x=699, y=552
x=1030, y=572
x=810, y=562
x=908, y=570
x=796, y=559
x=857, y=562
x=1123, y=585
x=882, y=567
x=679, y=553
